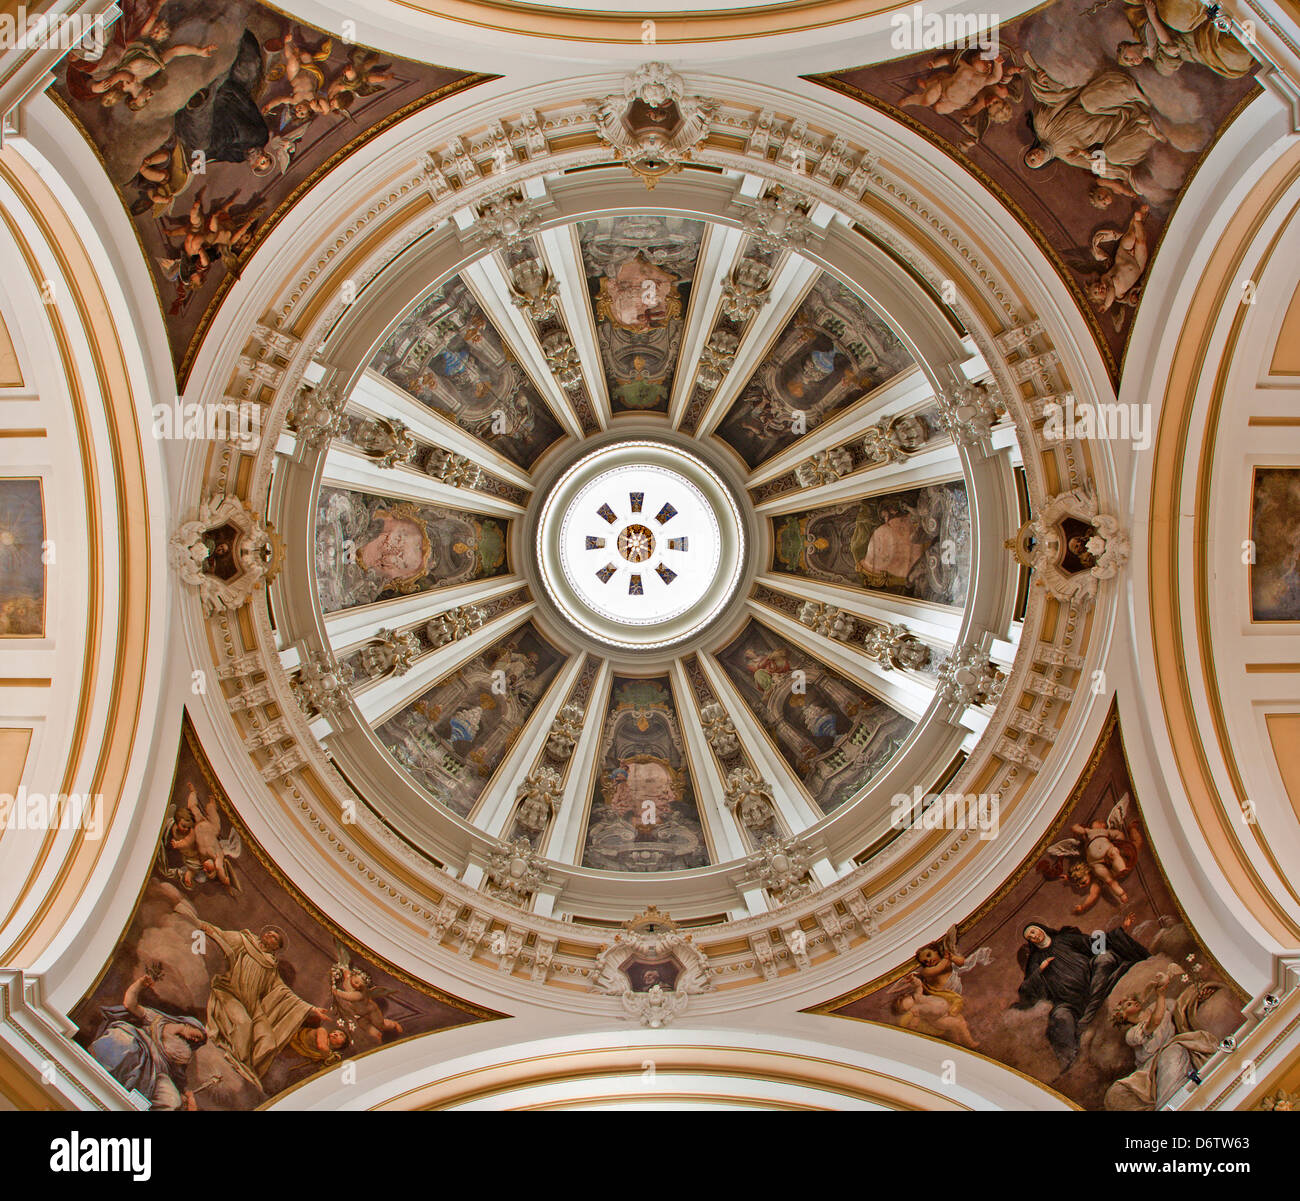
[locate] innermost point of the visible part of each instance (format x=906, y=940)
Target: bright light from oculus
x=640, y=544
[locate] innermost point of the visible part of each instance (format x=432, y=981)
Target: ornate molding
x=750, y=799
x=1067, y=565
x=565, y=731
x=317, y=415
x=454, y=624
x=895, y=646
x=563, y=359
x=969, y=677
x=515, y=871
x=827, y=620
x=825, y=467
x=533, y=289
x=226, y=553
x=539, y=798
x=653, y=968
x=968, y=412
x=505, y=219
x=745, y=292
x=654, y=127
x=719, y=730
x=778, y=220
x=456, y=471
x=781, y=866
x=385, y=440
x=393, y=652
x=323, y=684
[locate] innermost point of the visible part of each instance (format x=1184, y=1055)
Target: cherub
x=187, y=274
x=965, y=83
x=163, y=175
x=139, y=70
x=940, y=967
x=937, y=962
x=319, y=1043
x=216, y=229
x=915, y=1009
x=362, y=75
x=356, y=1000
x=1102, y=854
x=305, y=78
x=1119, y=283
x=196, y=837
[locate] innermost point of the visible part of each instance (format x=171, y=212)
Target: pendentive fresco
x=228, y=987
x=1087, y=120
x=211, y=120
x=1084, y=972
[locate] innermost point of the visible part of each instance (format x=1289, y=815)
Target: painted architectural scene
x=834, y=735
x=211, y=119
x=1087, y=119
x=453, y=737
x=1083, y=972
x=1275, y=532
x=228, y=988
x=22, y=559
x=914, y=543
x=644, y=815
x=450, y=357
x=639, y=274
x=370, y=548
x=833, y=351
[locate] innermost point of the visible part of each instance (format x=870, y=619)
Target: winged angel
x=193, y=849
x=358, y=1005
x=1100, y=855
x=930, y=999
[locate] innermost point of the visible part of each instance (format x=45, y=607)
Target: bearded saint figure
x=252, y=1013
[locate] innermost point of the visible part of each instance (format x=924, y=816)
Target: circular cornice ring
x=913, y=862
x=718, y=530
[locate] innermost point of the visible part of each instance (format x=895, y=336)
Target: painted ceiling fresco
x=1083, y=972
x=644, y=817
x=227, y=987
x=834, y=734
x=912, y=543
x=212, y=121
x=372, y=548
x=450, y=357
x=1088, y=122
x=832, y=351
x=639, y=274
x=22, y=559
x=1275, y=532
x=454, y=736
